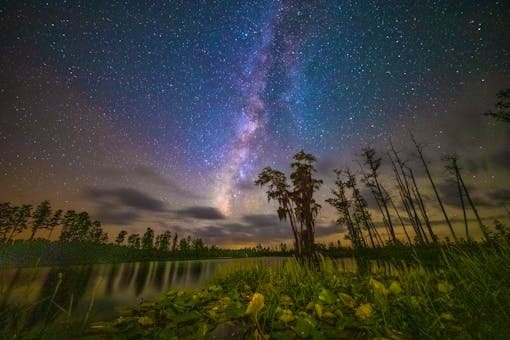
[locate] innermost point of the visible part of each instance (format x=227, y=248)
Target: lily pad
x=304, y=327
x=235, y=310
x=327, y=296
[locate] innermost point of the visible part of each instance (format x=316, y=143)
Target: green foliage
x=79, y=227
x=121, y=237
x=296, y=204
x=41, y=217
x=148, y=239
x=163, y=241
x=465, y=296
x=134, y=241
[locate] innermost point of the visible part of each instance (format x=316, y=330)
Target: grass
x=465, y=296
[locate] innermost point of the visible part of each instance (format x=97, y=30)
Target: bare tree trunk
x=422, y=207
x=374, y=164
x=408, y=201
x=412, y=206
x=378, y=200
x=400, y=218
x=483, y=228
x=461, y=196
x=420, y=154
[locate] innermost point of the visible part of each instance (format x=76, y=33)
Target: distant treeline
x=73, y=226
x=83, y=240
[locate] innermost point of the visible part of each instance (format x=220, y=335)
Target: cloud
x=450, y=196
x=109, y=216
x=127, y=197
x=330, y=229
x=150, y=175
x=258, y=220
x=325, y=166
x=200, y=212
x=449, y=193
x=501, y=195
x=256, y=228
x=242, y=233
x=502, y=158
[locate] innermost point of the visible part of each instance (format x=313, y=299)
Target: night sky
x=162, y=115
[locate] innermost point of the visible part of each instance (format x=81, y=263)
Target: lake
x=101, y=289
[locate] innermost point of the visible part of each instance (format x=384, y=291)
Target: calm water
x=106, y=287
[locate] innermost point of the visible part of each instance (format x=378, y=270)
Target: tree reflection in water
x=105, y=287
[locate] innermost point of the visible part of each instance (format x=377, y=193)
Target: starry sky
x=162, y=114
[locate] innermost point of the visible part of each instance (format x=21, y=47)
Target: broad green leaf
x=283, y=335
x=327, y=296
x=303, y=327
x=234, y=310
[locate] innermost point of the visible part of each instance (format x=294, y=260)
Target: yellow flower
x=286, y=316
x=395, y=288
x=364, y=311
x=256, y=304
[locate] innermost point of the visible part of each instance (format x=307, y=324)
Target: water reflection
x=54, y=298
x=111, y=286
x=51, y=291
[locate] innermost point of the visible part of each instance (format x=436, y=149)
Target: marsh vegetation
x=430, y=286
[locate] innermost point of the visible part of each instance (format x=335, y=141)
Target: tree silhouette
x=454, y=168
x=297, y=205
x=79, y=227
x=96, y=233
x=419, y=149
x=134, y=241
x=502, y=107
x=41, y=217
x=120, y=237
x=198, y=247
x=371, y=179
x=174, y=243
x=54, y=221
x=343, y=205
x=6, y=216
x=148, y=239
x=163, y=241
x=185, y=245
x=19, y=221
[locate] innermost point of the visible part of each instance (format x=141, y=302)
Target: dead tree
x=454, y=167
x=419, y=149
x=371, y=179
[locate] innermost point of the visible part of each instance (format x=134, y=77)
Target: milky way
x=276, y=49
x=182, y=103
